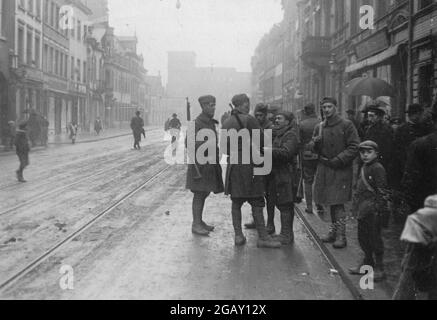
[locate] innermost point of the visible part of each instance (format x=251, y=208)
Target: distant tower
x=100, y=9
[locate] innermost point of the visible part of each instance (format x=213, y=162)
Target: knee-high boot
x=287, y=222
x=240, y=239
x=309, y=198
x=198, y=204
x=265, y=240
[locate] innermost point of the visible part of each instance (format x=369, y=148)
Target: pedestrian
x=310, y=159
x=175, y=126
x=73, y=128
x=381, y=133
x=420, y=177
x=137, y=126
x=241, y=182
x=416, y=127
x=370, y=208
x=336, y=142
x=418, y=280
x=280, y=182
x=204, y=179
x=10, y=135
x=261, y=113
x=98, y=126
x=22, y=149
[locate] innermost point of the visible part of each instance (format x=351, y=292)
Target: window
x=29, y=57
x=37, y=51
x=30, y=6
x=84, y=72
x=56, y=71
x=46, y=11
x=61, y=64
x=72, y=29
x=79, y=30
x=78, y=70
x=52, y=14
x=38, y=8
x=57, y=10
x=425, y=89
x=51, y=61
x=21, y=45
x=72, y=69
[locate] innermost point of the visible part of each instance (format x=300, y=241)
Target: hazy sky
x=223, y=33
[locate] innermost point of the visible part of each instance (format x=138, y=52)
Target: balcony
x=316, y=51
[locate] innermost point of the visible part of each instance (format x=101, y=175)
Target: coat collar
x=205, y=119
x=336, y=119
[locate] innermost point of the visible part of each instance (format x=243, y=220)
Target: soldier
x=137, y=126
x=280, y=181
x=241, y=183
x=22, y=149
x=174, y=126
x=207, y=178
x=420, y=178
x=336, y=141
x=310, y=159
x=261, y=112
x=381, y=133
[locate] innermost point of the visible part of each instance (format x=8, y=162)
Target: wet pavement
x=143, y=249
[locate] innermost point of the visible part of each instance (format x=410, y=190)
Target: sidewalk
x=85, y=137
x=350, y=256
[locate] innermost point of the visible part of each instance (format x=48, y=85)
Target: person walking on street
x=22, y=149
x=336, y=142
x=137, y=126
x=310, y=159
x=175, y=127
x=261, y=112
x=370, y=208
x=241, y=182
x=73, y=127
x=98, y=126
x=420, y=177
x=202, y=180
x=280, y=181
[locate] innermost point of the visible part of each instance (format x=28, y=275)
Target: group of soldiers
x=380, y=170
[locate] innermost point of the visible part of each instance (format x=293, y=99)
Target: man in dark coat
x=241, y=182
x=420, y=178
x=310, y=159
x=137, y=126
x=22, y=149
x=280, y=181
x=382, y=134
x=261, y=112
x=336, y=141
x=206, y=178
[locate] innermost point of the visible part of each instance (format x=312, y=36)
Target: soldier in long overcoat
x=280, y=181
x=241, y=182
x=137, y=126
x=336, y=141
x=204, y=179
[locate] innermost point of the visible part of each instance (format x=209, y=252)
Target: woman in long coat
x=336, y=142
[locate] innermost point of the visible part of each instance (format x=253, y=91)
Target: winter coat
x=404, y=136
x=339, y=142
x=284, y=153
x=210, y=179
x=307, y=127
x=382, y=134
x=240, y=179
x=21, y=143
x=420, y=178
x=137, y=125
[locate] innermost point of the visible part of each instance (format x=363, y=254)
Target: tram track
x=91, y=222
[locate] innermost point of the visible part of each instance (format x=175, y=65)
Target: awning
x=390, y=52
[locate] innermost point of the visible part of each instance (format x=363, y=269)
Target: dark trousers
x=254, y=202
x=137, y=139
x=24, y=161
x=370, y=238
x=199, y=199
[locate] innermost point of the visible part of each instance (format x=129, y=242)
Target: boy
x=22, y=149
x=370, y=207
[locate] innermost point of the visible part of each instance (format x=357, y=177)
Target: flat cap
x=377, y=110
x=366, y=145
x=415, y=108
x=262, y=108
x=329, y=100
x=287, y=115
x=309, y=109
x=207, y=99
x=431, y=202
x=240, y=99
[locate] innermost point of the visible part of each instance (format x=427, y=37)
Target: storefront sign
x=372, y=45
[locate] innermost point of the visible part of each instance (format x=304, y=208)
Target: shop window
x=425, y=90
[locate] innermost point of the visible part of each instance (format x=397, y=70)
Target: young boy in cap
x=22, y=149
x=370, y=208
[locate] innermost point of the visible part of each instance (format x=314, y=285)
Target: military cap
x=329, y=100
x=262, y=108
x=415, y=108
x=431, y=202
x=207, y=99
x=377, y=110
x=367, y=145
x=240, y=99
x=287, y=115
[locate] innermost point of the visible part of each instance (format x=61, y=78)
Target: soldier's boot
x=265, y=240
x=197, y=227
x=309, y=198
x=367, y=261
x=240, y=239
x=379, y=273
x=20, y=176
x=341, y=241
x=332, y=235
x=271, y=230
x=250, y=226
x=286, y=237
